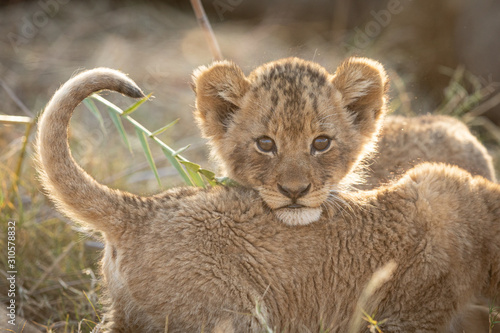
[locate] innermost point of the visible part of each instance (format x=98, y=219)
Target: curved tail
x=76, y=193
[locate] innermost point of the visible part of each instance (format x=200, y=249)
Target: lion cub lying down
x=406, y=142
x=205, y=258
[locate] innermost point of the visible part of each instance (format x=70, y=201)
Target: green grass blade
x=134, y=106
x=209, y=176
x=164, y=128
x=95, y=111
x=92, y=304
x=119, y=125
x=175, y=163
x=145, y=146
x=173, y=156
x=107, y=103
x=226, y=181
x=192, y=169
x=179, y=151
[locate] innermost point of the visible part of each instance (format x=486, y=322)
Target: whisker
x=325, y=208
x=335, y=204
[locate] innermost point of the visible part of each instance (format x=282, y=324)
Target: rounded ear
x=363, y=84
x=219, y=90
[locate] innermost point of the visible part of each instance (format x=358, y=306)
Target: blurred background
x=442, y=57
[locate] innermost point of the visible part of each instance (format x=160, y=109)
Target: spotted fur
x=291, y=101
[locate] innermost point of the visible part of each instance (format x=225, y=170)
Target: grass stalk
x=204, y=23
x=172, y=155
x=28, y=122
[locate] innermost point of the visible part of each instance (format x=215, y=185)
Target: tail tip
x=134, y=92
x=117, y=79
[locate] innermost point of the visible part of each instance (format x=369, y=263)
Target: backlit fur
x=219, y=260
x=408, y=141
x=292, y=101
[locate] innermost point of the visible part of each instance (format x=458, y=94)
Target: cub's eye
x=321, y=143
x=266, y=144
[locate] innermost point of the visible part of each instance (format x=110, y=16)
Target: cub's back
x=405, y=142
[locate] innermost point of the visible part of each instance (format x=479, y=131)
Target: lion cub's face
x=290, y=130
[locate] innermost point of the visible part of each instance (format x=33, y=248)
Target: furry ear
x=363, y=83
x=219, y=90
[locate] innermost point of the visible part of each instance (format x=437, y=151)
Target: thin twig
x=15, y=119
x=22, y=154
x=16, y=99
x=204, y=23
x=340, y=16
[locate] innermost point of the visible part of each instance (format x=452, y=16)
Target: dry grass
x=159, y=47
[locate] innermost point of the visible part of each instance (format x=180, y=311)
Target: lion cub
x=219, y=260
x=297, y=134
x=291, y=130
x=405, y=142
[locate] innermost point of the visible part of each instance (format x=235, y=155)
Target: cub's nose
x=294, y=193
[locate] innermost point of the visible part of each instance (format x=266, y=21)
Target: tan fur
x=291, y=101
x=406, y=142
x=205, y=258
x=475, y=318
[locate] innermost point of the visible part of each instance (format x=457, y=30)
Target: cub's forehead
x=292, y=96
x=289, y=72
